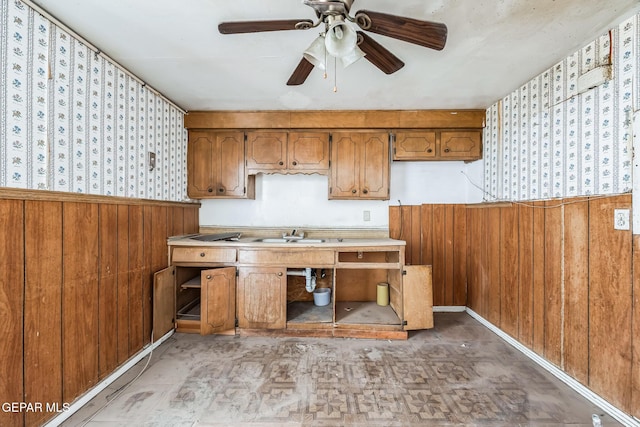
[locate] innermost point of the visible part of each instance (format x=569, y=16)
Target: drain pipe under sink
x=308, y=275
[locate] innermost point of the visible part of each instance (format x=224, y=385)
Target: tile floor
x=458, y=373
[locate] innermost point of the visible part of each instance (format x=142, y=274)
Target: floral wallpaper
x=72, y=120
x=545, y=140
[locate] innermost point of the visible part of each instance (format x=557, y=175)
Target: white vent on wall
x=594, y=78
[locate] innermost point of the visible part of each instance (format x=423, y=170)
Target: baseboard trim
x=85, y=398
x=449, y=309
x=588, y=394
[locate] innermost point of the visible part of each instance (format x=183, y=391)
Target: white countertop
x=256, y=242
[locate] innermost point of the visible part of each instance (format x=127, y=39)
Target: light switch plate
x=621, y=219
x=366, y=215
x=152, y=160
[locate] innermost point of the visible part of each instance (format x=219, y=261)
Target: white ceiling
x=493, y=47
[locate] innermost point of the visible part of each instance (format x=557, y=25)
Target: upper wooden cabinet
x=437, y=145
x=283, y=152
x=359, y=166
x=216, y=166
x=461, y=145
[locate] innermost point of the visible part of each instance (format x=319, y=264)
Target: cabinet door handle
x=220, y=190
x=446, y=150
x=281, y=163
x=429, y=150
x=210, y=190
x=279, y=273
x=365, y=191
x=295, y=163
x=202, y=254
x=208, y=277
x=354, y=191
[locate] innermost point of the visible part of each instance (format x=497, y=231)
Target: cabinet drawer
x=191, y=255
x=290, y=258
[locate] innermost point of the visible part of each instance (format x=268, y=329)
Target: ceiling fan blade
x=301, y=73
x=260, y=26
x=424, y=33
x=378, y=55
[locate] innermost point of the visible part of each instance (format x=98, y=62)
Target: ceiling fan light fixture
x=352, y=57
x=316, y=53
x=341, y=39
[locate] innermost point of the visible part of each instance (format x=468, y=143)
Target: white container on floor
x=321, y=296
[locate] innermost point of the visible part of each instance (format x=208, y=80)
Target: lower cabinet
x=253, y=296
x=196, y=300
x=262, y=297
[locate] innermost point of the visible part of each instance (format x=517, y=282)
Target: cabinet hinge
x=404, y=323
x=404, y=272
x=394, y=151
x=330, y=190
x=237, y=273
x=244, y=190
x=236, y=322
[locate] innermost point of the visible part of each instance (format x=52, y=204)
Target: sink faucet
x=293, y=235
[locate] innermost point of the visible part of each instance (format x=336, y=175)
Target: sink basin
x=280, y=240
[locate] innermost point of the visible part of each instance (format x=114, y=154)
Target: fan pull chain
x=326, y=64
x=335, y=75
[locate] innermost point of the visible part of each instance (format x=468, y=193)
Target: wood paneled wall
x=75, y=291
x=436, y=235
x=554, y=275
x=559, y=280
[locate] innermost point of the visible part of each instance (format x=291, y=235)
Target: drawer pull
x=208, y=277
x=202, y=254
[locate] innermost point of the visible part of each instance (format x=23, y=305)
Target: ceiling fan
x=340, y=40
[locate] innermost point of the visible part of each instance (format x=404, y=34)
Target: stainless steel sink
x=280, y=240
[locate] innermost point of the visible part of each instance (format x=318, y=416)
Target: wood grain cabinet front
x=287, y=152
x=437, y=145
x=262, y=297
x=359, y=166
x=194, y=300
x=216, y=166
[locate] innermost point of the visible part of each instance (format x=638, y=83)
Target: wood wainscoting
x=76, y=274
x=436, y=235
x=554, y=275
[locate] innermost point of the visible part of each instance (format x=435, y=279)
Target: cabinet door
x=461, y=145
x=217, y=300
x=262, y=298
x=229, y=164
x=414, y=145
x=345, y=166
x=266, y=151
x=374, y=166
x=200, y=169
x=164, y=302
x=308, y=152
x=417, y=297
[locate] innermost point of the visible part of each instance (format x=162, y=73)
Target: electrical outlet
x=366, y=215
x=621, y=219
